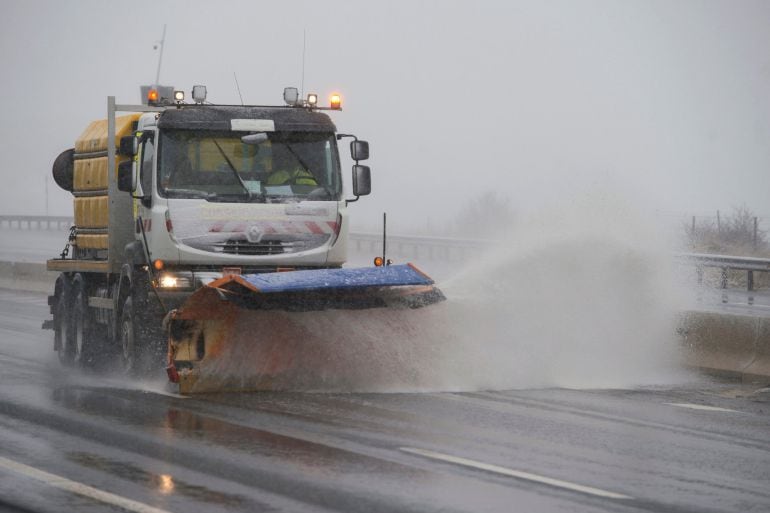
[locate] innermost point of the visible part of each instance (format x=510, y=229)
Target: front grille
x=265, y=247
x=236, y=245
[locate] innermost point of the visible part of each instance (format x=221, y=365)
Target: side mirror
x=359, y=150
x=126, y=176
x=362, y=180
x=127, y=146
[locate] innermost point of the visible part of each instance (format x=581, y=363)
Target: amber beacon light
x=336, y=102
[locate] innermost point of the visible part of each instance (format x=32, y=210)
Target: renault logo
x=254, y=234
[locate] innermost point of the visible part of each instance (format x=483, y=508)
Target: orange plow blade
x=293, y=330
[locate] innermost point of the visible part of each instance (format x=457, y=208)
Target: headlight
x=174, y=281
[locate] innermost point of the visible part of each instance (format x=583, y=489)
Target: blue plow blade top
x=320, y=279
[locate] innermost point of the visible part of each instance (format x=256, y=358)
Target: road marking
x=168, y=394
x=515, y=473
x=78, y=488
x=120, y=385
x=700, y=407
x=162, y=392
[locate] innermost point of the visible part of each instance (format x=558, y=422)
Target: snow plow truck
x=211, y=236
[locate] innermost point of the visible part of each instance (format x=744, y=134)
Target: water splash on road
x=582, y=297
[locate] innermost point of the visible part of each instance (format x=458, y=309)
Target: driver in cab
x=288, y=171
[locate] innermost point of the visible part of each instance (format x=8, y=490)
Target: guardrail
x=433, y=248
x=726, y=263
x=36, y=222
x=418, y=246
x=442, y=248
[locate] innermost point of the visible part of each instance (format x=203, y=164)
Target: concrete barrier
x=26, y=276
x=760, y=367
x=728, y=344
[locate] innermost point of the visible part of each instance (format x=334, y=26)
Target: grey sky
x=665, y=102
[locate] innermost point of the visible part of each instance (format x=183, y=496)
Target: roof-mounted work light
x=179, y=96
x=199, y=93
x=312, y=100
x=336, y=102
x=291, y=96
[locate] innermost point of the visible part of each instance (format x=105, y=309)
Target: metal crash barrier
x=36, y=222
x=444, y=248
x=726, y=263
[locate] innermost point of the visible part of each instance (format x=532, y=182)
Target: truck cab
x=234, y=188
x=245, y=187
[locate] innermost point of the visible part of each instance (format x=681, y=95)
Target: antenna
x=302, y=87
x=238, y=87
x=160, y=57
x=384, y=237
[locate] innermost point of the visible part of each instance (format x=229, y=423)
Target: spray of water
x=581, y=297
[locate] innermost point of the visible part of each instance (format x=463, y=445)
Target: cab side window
x=148, y=151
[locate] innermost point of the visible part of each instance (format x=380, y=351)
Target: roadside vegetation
x=738, y=233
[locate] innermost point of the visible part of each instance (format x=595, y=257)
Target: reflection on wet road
x=99, y=443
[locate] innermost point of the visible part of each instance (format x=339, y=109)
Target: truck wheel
x=63, y=326
x=81, y=351
x=151, y=343
x=128, y=349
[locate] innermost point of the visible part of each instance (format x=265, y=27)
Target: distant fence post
x=719, y=224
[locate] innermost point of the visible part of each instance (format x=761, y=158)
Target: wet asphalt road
x=97, y=443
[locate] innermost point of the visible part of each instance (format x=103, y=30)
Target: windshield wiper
x=232, y=168
x=188, y=193
x=301, y=161
x=214, y=197
x=321, y=193
x=237, y=197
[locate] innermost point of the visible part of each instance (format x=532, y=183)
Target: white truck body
x=202, y=191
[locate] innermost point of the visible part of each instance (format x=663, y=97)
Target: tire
x=81, y=350
x=152, y=342
x=142, y=344
x=63, y=326
x=129, y=352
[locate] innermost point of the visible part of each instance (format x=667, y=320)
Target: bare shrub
x=732, y=234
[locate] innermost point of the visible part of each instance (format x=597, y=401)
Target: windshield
x=218, y=166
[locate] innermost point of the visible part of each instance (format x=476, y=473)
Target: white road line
x=167, y=394
x=515, y=473
x=148, y=390
x=700, y=407
x=78, y=488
